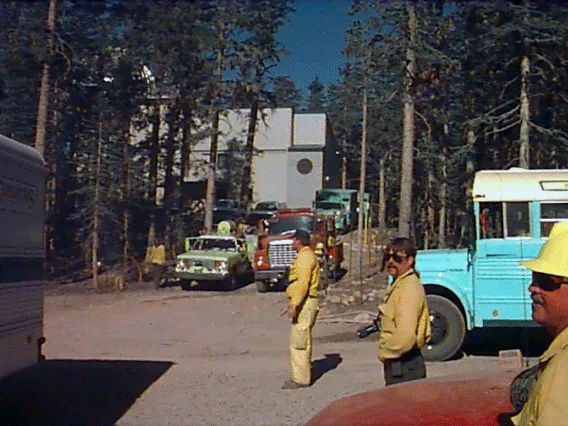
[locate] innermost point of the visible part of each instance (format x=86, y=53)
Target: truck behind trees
x=22, y=278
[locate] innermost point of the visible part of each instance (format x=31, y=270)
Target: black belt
x=415, y=351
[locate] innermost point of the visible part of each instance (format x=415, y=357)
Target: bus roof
x=519, y=184
x=20, y=150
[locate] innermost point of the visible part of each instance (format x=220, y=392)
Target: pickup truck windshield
x=215, y=244
x=283, y=225
x=328, y=206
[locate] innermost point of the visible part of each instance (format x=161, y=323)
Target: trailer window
x=550, y=213
x=490, y=220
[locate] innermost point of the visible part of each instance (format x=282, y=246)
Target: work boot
x=290, y=384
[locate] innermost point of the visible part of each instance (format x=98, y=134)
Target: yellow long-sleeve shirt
x=547, y=403
x=157, y=255
x=303, y=276
x=405, y=321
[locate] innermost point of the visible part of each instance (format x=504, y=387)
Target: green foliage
x=113, y=61
x=285, y=94
x=316, y=102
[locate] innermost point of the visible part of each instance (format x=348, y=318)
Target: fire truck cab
x=275, y=253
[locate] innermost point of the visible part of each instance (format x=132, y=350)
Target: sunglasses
x=547, y=282
x=394, y=256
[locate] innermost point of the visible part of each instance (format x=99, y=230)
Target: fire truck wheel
x=448, y=329
x=262, y=286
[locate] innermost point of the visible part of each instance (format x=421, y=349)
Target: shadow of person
x=323, y=365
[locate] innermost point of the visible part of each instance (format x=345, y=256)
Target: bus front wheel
x=448, y=329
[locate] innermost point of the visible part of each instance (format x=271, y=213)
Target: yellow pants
x=301, y=342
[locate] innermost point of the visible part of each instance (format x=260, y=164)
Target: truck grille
x=281, y=253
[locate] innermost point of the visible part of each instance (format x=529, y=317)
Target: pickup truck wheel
x=262, y=286
x=448, y=329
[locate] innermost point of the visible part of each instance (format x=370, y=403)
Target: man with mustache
x=547, y=403
x=404, y=317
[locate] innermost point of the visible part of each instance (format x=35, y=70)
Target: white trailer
x=22, y=277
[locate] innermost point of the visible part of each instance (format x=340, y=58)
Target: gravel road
x=169, y=357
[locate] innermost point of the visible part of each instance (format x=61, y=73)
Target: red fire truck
x=274, y=252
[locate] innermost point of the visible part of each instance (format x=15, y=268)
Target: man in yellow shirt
x=302, y=310
x=547, y=402
x=157, y=259
x=404, y=317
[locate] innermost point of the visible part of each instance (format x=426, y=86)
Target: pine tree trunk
x=185, y=150
x=249, y=152
x=443, y=189
x=431, y=213
x=468, y=182
x=344, y=166
x=125, y=195
x=169, y=186
x=362, y=176
x=210, y=195
x=41, y=125
x=524, y=154
x=382, y=213
x=95, y=230
x=54, y=193
x=211, y=191
x=153, y=177
x=405, y=205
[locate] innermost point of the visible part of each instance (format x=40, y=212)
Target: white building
x=295, y=154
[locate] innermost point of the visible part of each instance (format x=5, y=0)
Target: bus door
x=505, y=236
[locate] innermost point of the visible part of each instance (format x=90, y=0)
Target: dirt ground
x=201, y=357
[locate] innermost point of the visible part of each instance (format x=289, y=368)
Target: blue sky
x=314, y=38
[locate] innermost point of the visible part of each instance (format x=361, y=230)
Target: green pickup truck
x=221, y=259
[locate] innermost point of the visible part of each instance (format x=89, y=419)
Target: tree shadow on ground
x=73, y=392
x=323, y=365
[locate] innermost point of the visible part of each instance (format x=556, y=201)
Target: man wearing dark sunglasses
x=404, y=317
x=547, y=403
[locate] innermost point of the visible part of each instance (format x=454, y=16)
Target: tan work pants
x=301, y=342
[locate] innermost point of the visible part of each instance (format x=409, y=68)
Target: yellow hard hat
x=558, y=228
x=553, y=256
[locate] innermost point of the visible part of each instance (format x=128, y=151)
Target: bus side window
x=550, y=214
x=518, y=221
x=490, y=220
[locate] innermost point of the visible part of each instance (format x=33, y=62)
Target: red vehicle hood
x=476, y=399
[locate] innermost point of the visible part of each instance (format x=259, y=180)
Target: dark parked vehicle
x=226, y=209
x=264, y=210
